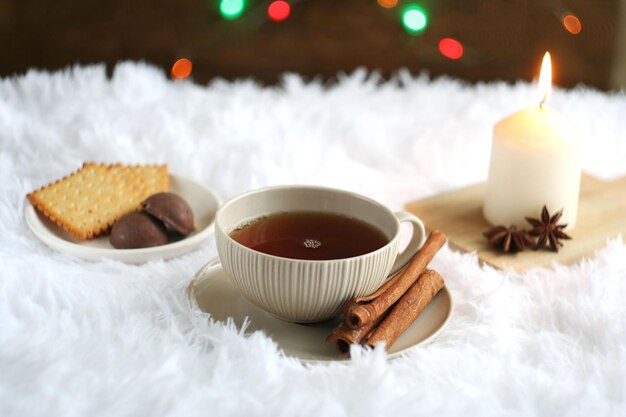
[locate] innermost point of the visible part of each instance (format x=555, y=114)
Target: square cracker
x=88, y=202
x=155, y=178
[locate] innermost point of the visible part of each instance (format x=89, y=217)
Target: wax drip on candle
x=545, y=79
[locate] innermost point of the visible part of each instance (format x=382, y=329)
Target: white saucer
x=214, y=293
x=204, y=204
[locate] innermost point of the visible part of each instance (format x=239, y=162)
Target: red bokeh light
x=278, y=10
x=451, y=48
x=572, y=24
x=388, y=4
x=181, y=69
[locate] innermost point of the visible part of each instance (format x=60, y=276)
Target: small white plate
x=204, y=204
x=214, y=293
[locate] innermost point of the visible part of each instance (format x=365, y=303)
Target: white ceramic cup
x=306, y=291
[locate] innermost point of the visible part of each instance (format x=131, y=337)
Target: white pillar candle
x=535, y=161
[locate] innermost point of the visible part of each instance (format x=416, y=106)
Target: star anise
x=509, y=239
x=547, y=230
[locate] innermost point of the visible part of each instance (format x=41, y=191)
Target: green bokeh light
x=414, y=19
x=232, y=9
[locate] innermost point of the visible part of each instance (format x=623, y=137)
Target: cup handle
x=417, y=240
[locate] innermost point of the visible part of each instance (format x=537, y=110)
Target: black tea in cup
x=310, y=235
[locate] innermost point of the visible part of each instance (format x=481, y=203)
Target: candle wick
x=543, y=100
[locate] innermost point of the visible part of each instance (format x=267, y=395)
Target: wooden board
x=601, y=215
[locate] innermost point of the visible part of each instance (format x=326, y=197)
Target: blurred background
x=475, y=40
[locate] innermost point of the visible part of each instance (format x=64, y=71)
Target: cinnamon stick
x=364, y=298
x=343, y=336
x=361, y=314
x=406, y=311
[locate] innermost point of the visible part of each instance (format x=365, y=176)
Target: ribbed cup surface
x=301, y=290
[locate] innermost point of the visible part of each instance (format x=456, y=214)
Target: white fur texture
x=108, y=339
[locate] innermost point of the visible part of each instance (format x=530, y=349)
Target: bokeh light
x=572, y=24
x=414, y=19
x=451, y=48
x=181, y=69
x=388, y=4
x=232, y=9
x=278, y=10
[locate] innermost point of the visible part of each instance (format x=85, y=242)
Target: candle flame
x=545, y=79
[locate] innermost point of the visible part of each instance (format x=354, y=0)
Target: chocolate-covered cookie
x=172, y=210
x=137, y=230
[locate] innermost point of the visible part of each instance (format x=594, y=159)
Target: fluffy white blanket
x=88, y=339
